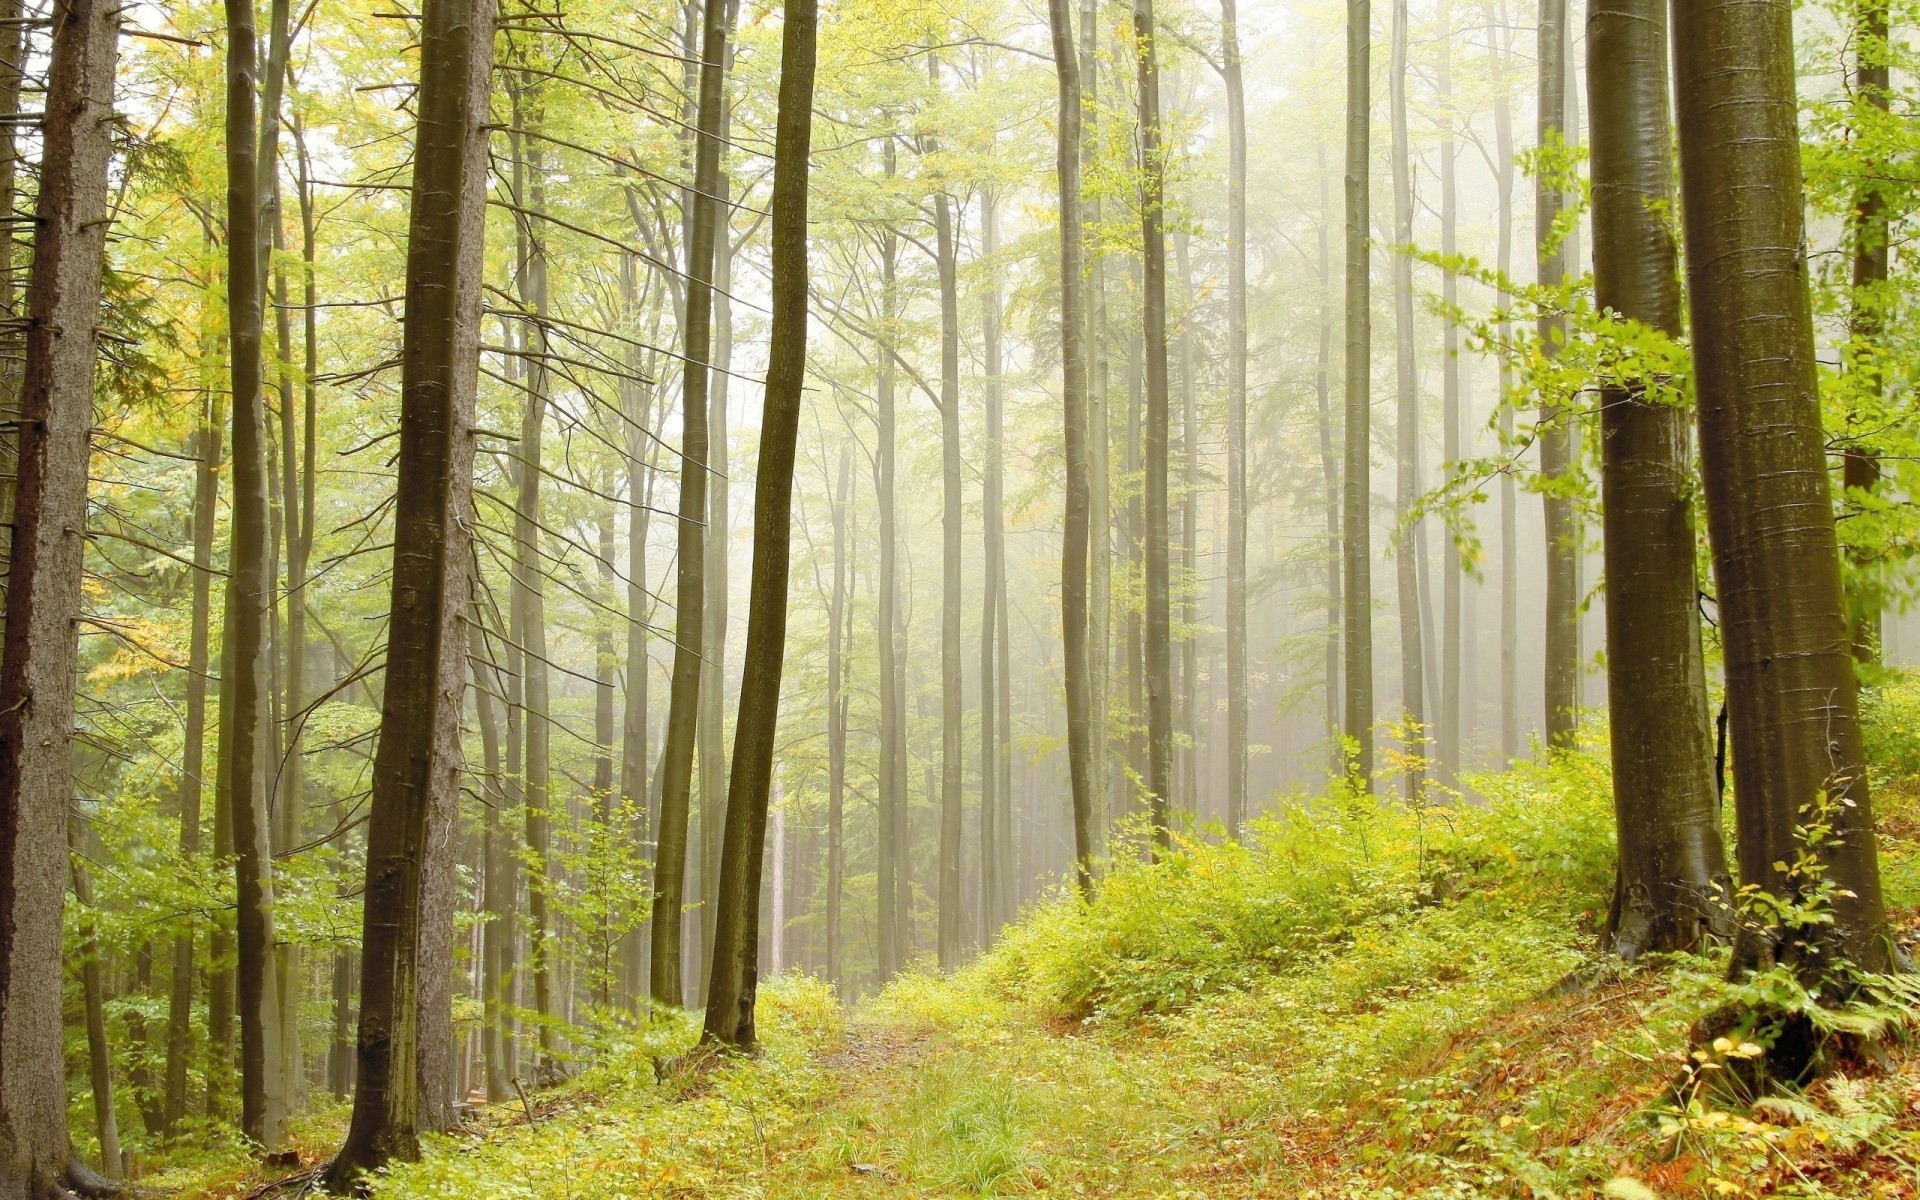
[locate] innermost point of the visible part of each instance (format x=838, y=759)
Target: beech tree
x=71, y=215
x=1792, y=707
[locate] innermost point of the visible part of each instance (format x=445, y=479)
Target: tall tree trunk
x=1868, y=230
x=1159, y=629
x=93, y=1003
x=71, y=216
x=206, y=491
x=1791, y=701
x=731, y=992
x=948, y=887
x=496, y=882
x=1509, y=501
x=529, y=592
x=417, y=764
x=1099, y=468
x=636, y=409
x=262, y=1099
x=1187, y=719
x=1073, y=391
x=1237, y=717
x=891, y=865
x=676, y=766
x=1453, y=578
x=711, y=727
x=1356, y=533
x=1330, y=475
x=838, y=613
x=1407, y=421
x=994, y=555
x=1671, y=862
x=11, y=41
x=1562, y=659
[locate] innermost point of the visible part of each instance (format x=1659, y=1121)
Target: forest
x=1403, y=680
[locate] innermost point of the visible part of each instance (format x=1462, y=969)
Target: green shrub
x=1307, y=882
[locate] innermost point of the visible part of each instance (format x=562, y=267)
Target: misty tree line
x=377, y=378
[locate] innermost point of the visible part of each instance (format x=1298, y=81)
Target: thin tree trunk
x=1158, y=648
x=1453, y=578
x=529, y=596
x=1356, y=533
x=948, y=888
x=1562, y=658
x=1187, y=721
x=1671, y=864
x=1791, y=702
x=1073, y=390
x=837, y=616
x=1330, y=474
x=1407, y=422
x=676, y=767
x=1509, y=501
x=496, y=884
x=994, y=555
x=93, y=1002
x=402, y=1077
x=37, y=657
x=890, y=865
x=1868, y=230
x=731, y=992
x=206, y=492
x=1099, y=469
x=1237, y=715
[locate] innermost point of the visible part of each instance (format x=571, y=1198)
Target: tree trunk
x=417, y=765
x=837, y=617
x=71, y=215
x=93, y=1003
x=1073, y=390
x=1407, y=422
x=731, y=992
x=1509, y=501
x=1356, y=532
x=1791, y=701
x=890, y=863
x=1868, y=230
x=496, y=884
x=676, y=766
x=636, y=409
x=1099, y=477
x=1562, y=659
x=1666, y=892
x=11, y=29
x=529, y=592
x=1330, y=475
x=948, y=893
x=1237, y=717
x=1159, y=630
x=993, y=553
x=206, y=493
x=1453, y=578
x=1187, y=722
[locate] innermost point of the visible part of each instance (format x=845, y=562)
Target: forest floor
x=1435, y=1049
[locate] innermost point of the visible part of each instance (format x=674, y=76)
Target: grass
x=1363, y=1002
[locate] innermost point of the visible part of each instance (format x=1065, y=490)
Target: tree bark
x=837, y=617
x=37, y=656
x=1356, y=533
x=890, y=863
x=1099, y=477
x=1073, y=394
x=731, y=992
x=402, y=1072
x=206, y=491
x=947, y=940
x=676, y=766
x=1159, y=627
x=1504, y=405
x=1330, y=475
x=1667, y=892
x=1791, y=698
x=1868, y=230
x=1407, y=536
x=1562, y=659
x=1237, y=716
x=1453, y=577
